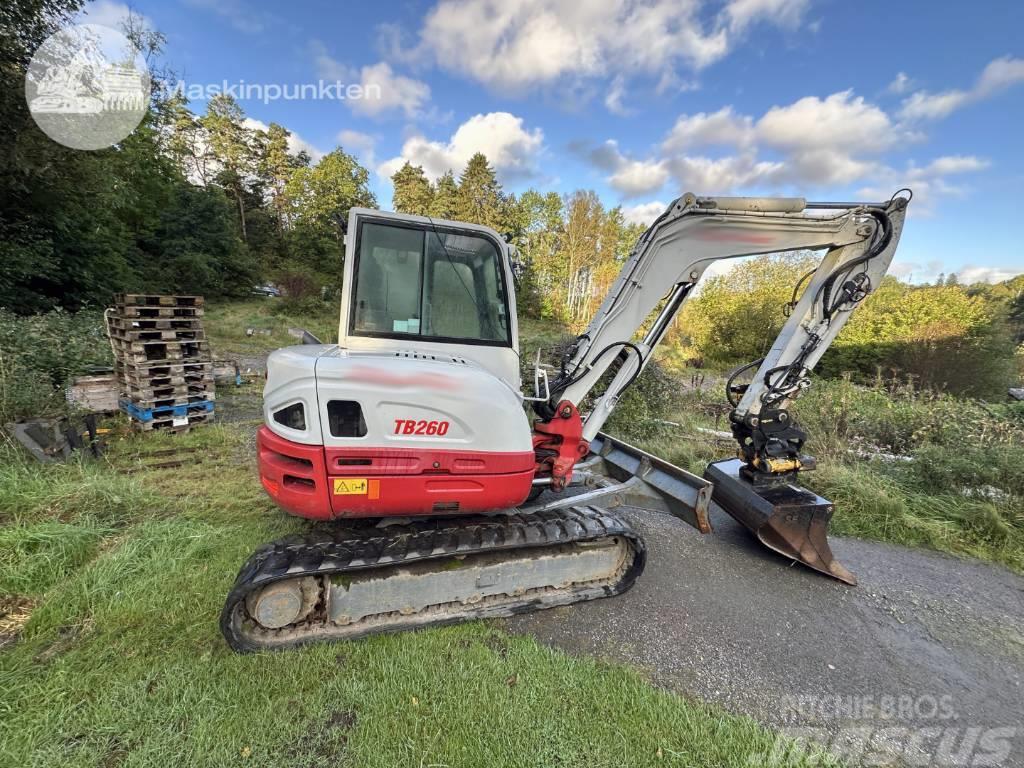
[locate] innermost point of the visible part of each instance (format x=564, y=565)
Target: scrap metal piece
x=788, y=519
x=45, y=439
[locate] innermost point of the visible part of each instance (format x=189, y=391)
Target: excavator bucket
x=789, y=519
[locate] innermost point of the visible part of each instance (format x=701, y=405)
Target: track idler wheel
x=785, y=518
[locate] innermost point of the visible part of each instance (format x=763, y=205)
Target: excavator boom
x=663, y=269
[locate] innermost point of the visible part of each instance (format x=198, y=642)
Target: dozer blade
x=644, y=480
x=789, y=519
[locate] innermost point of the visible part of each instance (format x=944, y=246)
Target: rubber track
x=346, y=552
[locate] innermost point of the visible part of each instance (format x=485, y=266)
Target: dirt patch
x=344, y=719
x=14, y=614
x=66, y=637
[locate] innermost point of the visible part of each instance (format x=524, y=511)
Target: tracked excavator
x=446, y=501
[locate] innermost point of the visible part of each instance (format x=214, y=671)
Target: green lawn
x=124, y=569
x=227, y=322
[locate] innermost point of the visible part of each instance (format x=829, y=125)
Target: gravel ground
x=916, y=665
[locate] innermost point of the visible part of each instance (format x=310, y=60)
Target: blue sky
x=642, y=100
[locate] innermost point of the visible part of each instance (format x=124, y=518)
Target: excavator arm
x=658, y=278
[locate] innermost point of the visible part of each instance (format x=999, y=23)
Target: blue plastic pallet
x=148, y=414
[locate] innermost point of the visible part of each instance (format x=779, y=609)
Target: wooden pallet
x=155, y=323
x=189, y=347
x=160, y=312
x=153, y=368
x=155, y=354
x=143, y=387
x=168, y=425
x=163, y=361
x=169, y=400
x=97, y=393
x=158, y=334
x=157, y=300
x=144, y=394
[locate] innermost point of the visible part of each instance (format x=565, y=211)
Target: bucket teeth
x=786, y=518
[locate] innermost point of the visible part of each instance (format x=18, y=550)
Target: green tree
x=413, y=193
x=540, y=221
x=479, y=197
x=736, y=316
x=941, y=335
x=187, y=142
x=320, y=198
x=232, y=145
x=580, y=253
x=445, y=201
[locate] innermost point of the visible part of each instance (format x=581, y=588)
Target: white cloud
x=997, y=76
x=901, y=83
x=613, y=99
x=967, y=275
x=384, y=89
x=705, y=175
x=296, y=143
x=520, y=43
x=841, y=122
x=785, y=13
x=109, y=14
x=723, y=127
x=356, y=140
x=972, y=274
x=511, y=148
x=636, y=177
x=362, y=145
x=238, y=14
x=955, y=164
x=630, y=177
x=644, y=213
x=812, y=143
x=928, y=181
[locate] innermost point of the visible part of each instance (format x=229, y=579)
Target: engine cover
x=370, y=434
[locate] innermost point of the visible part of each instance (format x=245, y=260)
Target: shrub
x=643, y=407
x=941, y=336
x=39, y=354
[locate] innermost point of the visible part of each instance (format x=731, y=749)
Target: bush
x=895, y=416
x=643, y=408
x=39, y=354
x=941, y=336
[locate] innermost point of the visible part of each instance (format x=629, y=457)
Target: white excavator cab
x=428, y=286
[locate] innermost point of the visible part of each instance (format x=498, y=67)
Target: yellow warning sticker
x=350, y=486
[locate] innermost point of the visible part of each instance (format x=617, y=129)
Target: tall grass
x=903, y=465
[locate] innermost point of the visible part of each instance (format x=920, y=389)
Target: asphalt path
x=922, y=663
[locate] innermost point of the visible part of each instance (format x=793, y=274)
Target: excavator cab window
x=429, y=283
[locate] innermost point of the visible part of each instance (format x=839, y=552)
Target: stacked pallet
x=163, y=360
